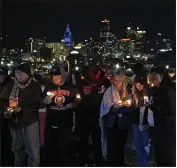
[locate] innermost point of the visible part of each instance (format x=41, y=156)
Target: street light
x=77, y=68
x=117, y=66
x=167, y=66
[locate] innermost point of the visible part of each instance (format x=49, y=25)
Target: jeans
x=26, y=140
x=142, y=144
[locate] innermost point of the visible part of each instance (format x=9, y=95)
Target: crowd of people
x=145, y=103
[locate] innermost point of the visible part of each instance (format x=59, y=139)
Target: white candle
x=146, y=99
x=78, y=96
x=129, y=102
x=120, y=102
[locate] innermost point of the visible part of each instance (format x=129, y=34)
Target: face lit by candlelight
x=139, y=86
x=57, y=79
x=118, y=80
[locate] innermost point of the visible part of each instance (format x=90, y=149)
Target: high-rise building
x=67, y=37
x=105, y=30
x=162, y=44
x=59, y=51
x=33, y=45
x=138, y=40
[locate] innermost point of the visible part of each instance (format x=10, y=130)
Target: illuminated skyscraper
x=105, y=29
x=67, y=37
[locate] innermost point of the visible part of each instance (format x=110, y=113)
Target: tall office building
x=33, y=45
x=67, y=37
x=105, y=30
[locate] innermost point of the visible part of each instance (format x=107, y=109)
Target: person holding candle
x=61, y=97
x=21, y=98
x=115, y=119
x=163, y=106
x=92, y=87
x=140, y=129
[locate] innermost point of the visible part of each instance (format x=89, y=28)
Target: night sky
x=39, y=19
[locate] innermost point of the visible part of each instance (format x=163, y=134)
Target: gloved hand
x=47, y=100
x=7, y=114
x=17, y=109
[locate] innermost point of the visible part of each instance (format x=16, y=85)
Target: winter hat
x=26, y=68
x=141, y=79
x=55, y=71
x=158, y=70
x=4, y=71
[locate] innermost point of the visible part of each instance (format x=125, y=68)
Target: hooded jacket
x=93, y=85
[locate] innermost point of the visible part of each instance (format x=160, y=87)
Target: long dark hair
x=137, y=95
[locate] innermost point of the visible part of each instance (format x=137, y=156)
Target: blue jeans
x=26, y=140
x=142, y=144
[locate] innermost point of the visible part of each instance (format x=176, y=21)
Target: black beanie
x=141, y=79
x=55, y=71
x=26, y=68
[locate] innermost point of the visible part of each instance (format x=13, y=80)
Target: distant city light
x=152, y=49
x=138, y=28
x=141, y=31
x=125, y=39
x=2, y=62
x=117, y=66
x=163, y=50
x=77, y=68
x=167, y=66
x=74, y=52
x=77, y=47
x=159, y=34
x=106, y=21
x=128, y=28
x=34, y=51
x=127, y=56
x=11, y=62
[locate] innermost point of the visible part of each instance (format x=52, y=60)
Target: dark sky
x=38, y=18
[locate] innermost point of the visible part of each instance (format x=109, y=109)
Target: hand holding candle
x=128, y=103
x=78, y=96
x=146, y=100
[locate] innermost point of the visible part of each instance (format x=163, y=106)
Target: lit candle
x=10, y=110
x=152, y=85
x=129, y=102
x=50, y=94
x=78, y=96
x=146, y=99
x=120, y=102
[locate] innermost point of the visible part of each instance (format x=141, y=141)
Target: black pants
x=57, y=145
x=95, y=131
x=116, y=140
x=164, y=143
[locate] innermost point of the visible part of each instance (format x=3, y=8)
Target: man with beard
x=21, y=98
x=92, y=86
x=60, y=98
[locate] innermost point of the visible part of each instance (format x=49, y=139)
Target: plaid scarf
x=16, y=88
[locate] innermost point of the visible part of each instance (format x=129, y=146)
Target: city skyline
x=49, y=19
